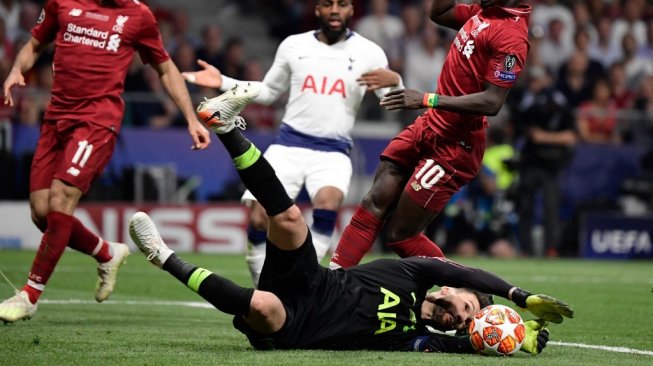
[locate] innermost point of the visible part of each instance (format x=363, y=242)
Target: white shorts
x=296, y=166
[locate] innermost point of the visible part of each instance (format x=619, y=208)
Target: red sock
x=32, y=293
x=52, y=245
x=85, y=241
x=357, y=239
x=418, y=245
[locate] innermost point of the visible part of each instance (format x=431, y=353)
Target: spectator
x=6, y=51
x=545, y=12
x=646, y=51
x=603, y=50
x=469, y=220
x=574, y=80
x=630, y=22
x=233, y=63
x=29, y=15
x=10, y=13
x=210, y=50
x=413, y=20
x=597, y=118
x=644, y=97
x=379, y=26
x=622, y=96
x=143, y=108
x=581, y=41
x=422, y=59
x=637, y=68
x=259, y=117
x=548, y=130
x=555, y=49
x=583, y=20
x=181, y=30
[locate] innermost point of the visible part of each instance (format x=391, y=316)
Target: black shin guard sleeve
x=225, y=295
x=261, y=180
x=178, y=268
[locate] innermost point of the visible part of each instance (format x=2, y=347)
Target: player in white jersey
x=327, y=73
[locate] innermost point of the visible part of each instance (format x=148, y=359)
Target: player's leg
x=256, y=239
x=263, y=311
x=326, y=205
x=397, y=162
x=328, y=175
x=287, y=229
x=444, y=167
x=404, y=230
x=81, y=238
x=56, y=225
x=87, y=153
x=288, y=166
x=359, y=236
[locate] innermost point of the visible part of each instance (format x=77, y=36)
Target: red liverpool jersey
x=491, y=47
x=94, y=46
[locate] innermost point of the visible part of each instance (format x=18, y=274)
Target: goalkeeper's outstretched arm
x=443, y=272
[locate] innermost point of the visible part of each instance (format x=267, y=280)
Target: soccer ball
x=497, y=330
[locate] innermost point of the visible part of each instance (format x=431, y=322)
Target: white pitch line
x=603, y=348
x=204, y=305
x=190, y=304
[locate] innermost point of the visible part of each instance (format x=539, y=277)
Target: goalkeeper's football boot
x=108, y=271
x=220, y=114
x=17, y=307
x=147, y=238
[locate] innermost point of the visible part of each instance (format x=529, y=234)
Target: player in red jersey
x=425, y=164
x=95, y=41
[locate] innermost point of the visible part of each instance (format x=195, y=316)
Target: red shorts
x=440, y=166
x=75, y=152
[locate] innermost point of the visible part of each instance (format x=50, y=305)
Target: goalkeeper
x=381, y=305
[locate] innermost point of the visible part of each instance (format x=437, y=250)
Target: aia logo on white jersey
x=120, y=23
x=468, y=49
x=75, y=12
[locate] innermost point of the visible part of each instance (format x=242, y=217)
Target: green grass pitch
x=144, y=323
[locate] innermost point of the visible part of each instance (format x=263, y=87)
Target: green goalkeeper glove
x=548, y=308
x=536, y=336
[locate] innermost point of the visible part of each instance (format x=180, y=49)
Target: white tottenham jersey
x=324, y=94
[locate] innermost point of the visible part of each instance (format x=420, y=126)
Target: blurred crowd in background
x=588, y=81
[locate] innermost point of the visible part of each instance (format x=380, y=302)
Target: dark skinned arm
x=487, y=102
x=442, y=13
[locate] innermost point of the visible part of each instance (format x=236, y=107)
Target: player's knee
x=289, y=219
x=395, y=234
x=266, y=312
x=39, y=214
x=372, y=205
x=258, y=219
x=40, y=220
x=63, y=198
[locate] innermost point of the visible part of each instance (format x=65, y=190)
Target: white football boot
x=220, y=114
x=147, y=238
x=108, y=271
x=17, y=307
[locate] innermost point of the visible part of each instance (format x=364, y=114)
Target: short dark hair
x=483, y=298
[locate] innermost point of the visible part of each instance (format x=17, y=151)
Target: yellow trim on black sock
x=246, y=160
x=196, y=278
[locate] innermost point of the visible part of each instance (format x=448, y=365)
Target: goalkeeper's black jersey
x=374, y=306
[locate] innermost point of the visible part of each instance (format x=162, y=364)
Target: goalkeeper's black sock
x=225, y=295
x=256, y=173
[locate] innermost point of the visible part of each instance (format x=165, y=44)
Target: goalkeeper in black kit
x=381, y=305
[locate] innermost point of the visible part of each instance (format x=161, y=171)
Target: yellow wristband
x=430, y=100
